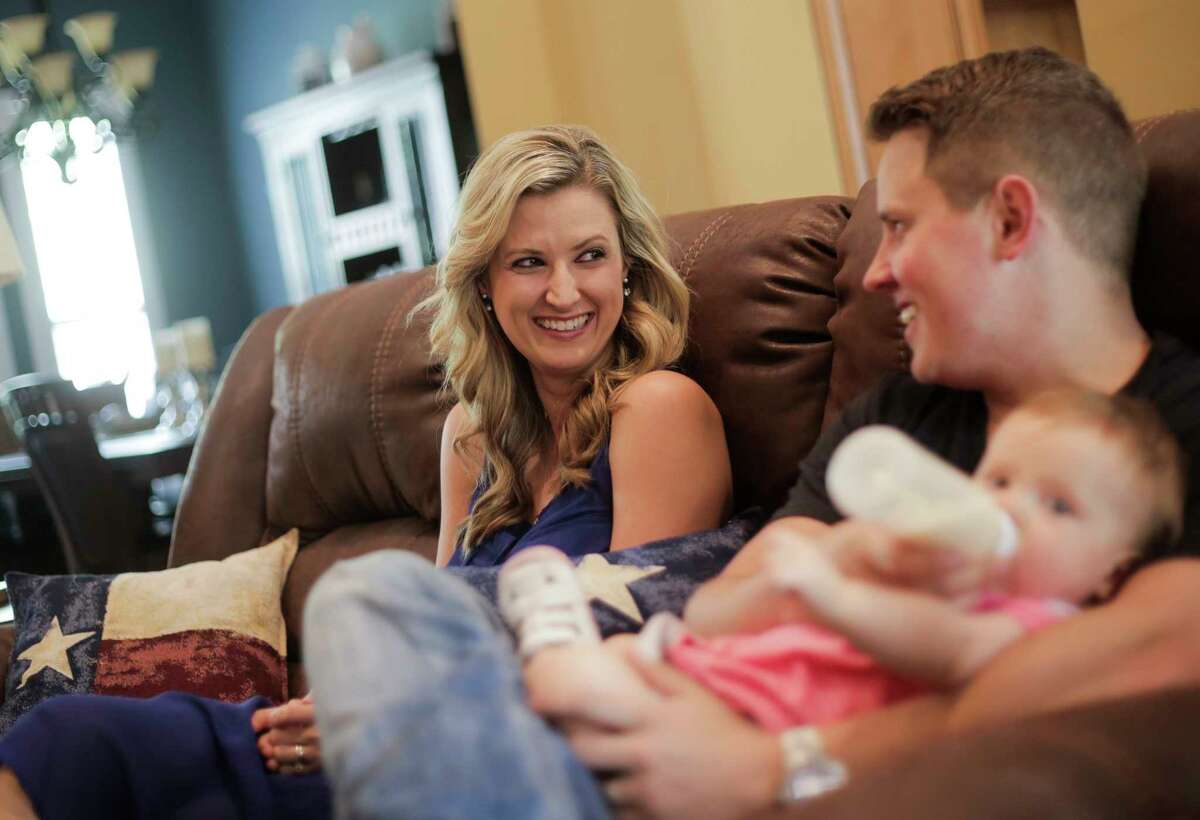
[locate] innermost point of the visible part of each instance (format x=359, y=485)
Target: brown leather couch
x=328, y=415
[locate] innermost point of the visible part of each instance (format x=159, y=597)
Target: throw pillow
x=213, y=628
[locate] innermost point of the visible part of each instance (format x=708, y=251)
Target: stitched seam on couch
x=1145, y=127
x=294, y=403
x=381, y=348
x=697, y=246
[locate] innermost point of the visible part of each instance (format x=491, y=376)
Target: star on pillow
x=610, y=583
x=51, y=652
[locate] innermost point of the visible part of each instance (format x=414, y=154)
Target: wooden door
x=868, y=46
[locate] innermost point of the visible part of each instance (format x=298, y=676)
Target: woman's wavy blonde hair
x=487, y=375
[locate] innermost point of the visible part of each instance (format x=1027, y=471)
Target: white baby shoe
x=542, y=602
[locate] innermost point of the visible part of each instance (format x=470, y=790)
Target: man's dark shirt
x=953, y=423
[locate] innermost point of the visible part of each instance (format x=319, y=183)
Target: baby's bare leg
x=14, y=803
x=595, y=682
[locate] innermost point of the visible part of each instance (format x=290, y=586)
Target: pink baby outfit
x=802, y=673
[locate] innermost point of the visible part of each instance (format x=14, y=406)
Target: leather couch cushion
x=357, y=413
x=762, y=282
x=868, y=341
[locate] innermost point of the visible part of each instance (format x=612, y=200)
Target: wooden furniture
x=101, y=516
x=867, y=46
x=361, y=175
x=139, y=457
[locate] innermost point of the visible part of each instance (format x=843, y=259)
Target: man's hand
x=690, y=757
x=288, y=737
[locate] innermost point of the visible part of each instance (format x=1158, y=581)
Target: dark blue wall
x=184, y=162
x=253, y=44
x=219, y=61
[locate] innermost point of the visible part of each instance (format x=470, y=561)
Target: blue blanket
x=629, y=586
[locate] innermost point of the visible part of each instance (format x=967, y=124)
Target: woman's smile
x=568, y=328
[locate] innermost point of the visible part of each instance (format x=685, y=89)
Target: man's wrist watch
x=807, y=771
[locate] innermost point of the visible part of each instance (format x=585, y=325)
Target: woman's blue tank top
x=578, y=521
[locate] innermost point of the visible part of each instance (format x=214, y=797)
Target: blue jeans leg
x=420, y=702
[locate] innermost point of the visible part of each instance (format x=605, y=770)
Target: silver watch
x=807, y=771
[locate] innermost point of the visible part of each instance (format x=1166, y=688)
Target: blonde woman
x=556, y=312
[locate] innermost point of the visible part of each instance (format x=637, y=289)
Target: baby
x=1094, y=484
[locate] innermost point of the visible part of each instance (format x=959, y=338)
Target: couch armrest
x=223, y=506
x=1130, y=757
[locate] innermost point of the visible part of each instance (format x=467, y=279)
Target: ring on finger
x=299, y=754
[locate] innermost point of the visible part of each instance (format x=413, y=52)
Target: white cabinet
x=361, y=175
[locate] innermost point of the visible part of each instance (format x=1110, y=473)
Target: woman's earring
x=487, y=302
x=628, y=290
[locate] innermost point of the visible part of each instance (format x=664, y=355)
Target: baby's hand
x=869, y=551
x=802, y=566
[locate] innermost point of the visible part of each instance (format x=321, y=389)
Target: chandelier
x=63, y=103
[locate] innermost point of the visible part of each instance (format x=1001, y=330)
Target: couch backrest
x=357, y=414
x=763, y=294
x=1166, y=276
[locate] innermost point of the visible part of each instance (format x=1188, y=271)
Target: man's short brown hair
x=1034, y=113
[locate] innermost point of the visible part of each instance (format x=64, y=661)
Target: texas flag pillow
x=213, y=628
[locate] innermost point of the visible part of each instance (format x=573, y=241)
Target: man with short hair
x=1009, y=191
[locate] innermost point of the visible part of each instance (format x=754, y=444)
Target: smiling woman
x=558, y=315
x=556, y=312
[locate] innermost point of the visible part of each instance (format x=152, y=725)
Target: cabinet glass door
x=411, y=147
x=354, y=163
x=308, y=219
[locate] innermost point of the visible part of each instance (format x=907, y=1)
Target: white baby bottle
x=881, y=475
